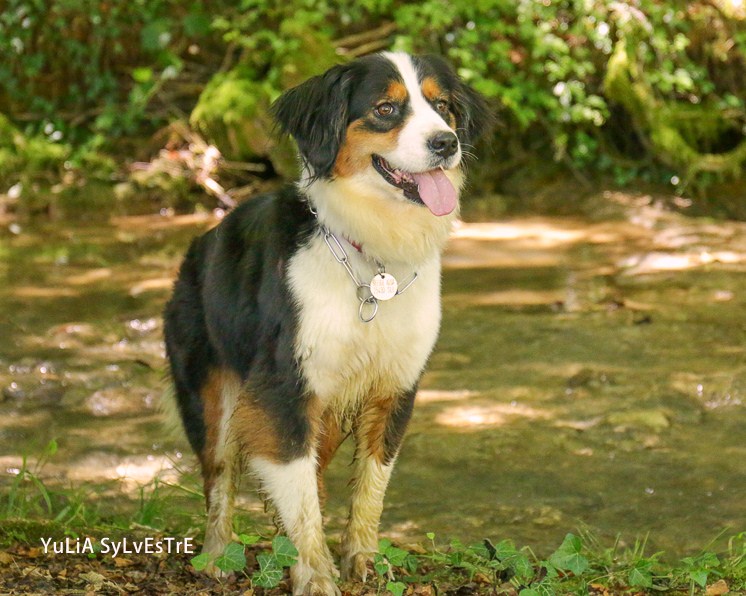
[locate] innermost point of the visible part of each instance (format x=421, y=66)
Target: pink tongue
x=436, y=191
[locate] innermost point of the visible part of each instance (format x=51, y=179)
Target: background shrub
x=95, y=74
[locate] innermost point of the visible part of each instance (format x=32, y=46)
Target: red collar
x=356, y=245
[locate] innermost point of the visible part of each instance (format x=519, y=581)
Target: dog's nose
x=444, y=144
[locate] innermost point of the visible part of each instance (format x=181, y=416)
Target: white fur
x=412, y=153
x=344, y=359
x=293, y=490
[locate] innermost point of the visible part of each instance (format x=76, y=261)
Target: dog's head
x=401, y=122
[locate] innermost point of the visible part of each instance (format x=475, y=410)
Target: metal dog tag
x=383, y=286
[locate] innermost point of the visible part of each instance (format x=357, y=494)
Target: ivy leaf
x=524, y=571
x=270, y=572
x=699, y=576
x=232, y=559
x=381, y=565
x=249, y=539
x=199, y=562
x=284, y=550
x=396, y=556
x=396, y=588
x=640, y=577
x=568, y=558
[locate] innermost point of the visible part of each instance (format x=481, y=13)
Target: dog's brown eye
x=442, y=106
x=385, y=109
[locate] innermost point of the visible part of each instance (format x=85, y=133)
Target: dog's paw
x=357, y=567
x=216, y=573
x=315, y=581
x=318, y=586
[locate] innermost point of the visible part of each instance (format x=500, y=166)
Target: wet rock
x=42, y=393
x=120, y=401
x=143, y=327
x=13, y=391
x=47, y=393
x=588, y=378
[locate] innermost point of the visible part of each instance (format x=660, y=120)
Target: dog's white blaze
x=293, y=490
x=412, y=152
x=344, y=359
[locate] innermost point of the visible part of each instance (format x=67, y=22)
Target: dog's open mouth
x=432, y=188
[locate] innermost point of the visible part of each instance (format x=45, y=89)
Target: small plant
x=271, y=564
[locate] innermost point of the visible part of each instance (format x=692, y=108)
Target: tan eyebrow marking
x=431, y=89
x=397, y=91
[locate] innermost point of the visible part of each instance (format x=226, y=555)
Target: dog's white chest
x=342, y=358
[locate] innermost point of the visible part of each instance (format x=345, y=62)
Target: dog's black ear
x=474, y=118
x=315, y=114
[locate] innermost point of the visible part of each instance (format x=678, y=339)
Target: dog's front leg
x=292, y=488
x=379, y=431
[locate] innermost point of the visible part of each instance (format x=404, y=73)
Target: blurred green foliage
x=90, y=72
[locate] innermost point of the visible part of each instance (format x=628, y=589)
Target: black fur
x=231, y=307
x=315, y=114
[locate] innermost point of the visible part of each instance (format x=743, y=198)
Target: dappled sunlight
x=88, y=277
x=529, y=242
x=42, y=292
x=165, y=221
x=479, y=417
x=655, y=262
x=129, y=471
x=512, y=297
x=544, y=233
x=435, y=395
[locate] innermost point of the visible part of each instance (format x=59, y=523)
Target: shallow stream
x=588, y=375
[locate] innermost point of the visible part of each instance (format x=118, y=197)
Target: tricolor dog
x=308, y=315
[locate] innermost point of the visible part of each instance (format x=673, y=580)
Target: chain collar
x=368, y=302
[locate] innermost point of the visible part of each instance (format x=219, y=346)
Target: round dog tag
x=383, y=286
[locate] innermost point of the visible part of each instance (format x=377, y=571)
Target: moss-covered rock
x=233, y=110
x=676, y=132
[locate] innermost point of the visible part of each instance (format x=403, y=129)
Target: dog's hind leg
x=292, y=488
x=379, y=431
x=220, y=463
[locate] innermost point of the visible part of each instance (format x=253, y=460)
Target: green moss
x=233, y=110
x=676, y=131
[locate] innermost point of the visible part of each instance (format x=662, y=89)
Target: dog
x=309, y=314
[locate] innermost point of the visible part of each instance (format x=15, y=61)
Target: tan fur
x=212, y=398
x=355, y=153
x=371, y=425
x=430, y=88
x=330, y=437
x=254, y=431
x=397, y=92
x=363, y=207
